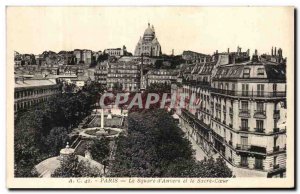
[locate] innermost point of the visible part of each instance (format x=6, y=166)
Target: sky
x=205, y=30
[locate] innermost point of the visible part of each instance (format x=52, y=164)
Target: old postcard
x=150, y=97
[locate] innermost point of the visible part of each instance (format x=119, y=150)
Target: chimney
x=280, y=52
x=233, y=59
x=275, y=52
x=255, y=57
x=216, y=51
x=272, y=52
x=228, y=50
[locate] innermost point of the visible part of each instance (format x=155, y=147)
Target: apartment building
x=161, y=76
x=242, y=113
x=123, y=75
x=29, y=92
x=101, y=73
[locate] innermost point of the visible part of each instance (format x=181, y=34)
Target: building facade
x=101, y=73
x=123, y=75
x=242, y=114
x=31, y=92
x=83, y=56
x=161, y=76
x=148, y=45
x=117, y=52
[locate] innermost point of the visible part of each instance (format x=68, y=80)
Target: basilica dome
x=149, y=33
x=148, y=45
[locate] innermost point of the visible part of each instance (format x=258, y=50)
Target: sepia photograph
x=150, y=97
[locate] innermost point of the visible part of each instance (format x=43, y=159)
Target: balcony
x=218, y=137
x=276, y=114
x=244, y=128
x=251, y=149
x=244, y=113
x=250, y=94
x=260, y=114
x=259, y=130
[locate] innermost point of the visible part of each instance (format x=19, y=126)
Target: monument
x=101, y=131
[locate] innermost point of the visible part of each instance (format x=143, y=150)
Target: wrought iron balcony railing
x=261, y=114
x=263, y=94
x=244, y=113
x=259, y=130
x=251, y=148
x=244, y=128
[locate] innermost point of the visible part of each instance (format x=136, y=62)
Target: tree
x=46, y=126
x=156, y=147
x=56, y=140
x=75, y=168
x=100, y=149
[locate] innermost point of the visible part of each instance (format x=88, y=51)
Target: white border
x=4, y=3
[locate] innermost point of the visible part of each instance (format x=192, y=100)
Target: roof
x=34, y=83
x=234, y=71
x=149, y=31
x=160, y=71
x=47, y=167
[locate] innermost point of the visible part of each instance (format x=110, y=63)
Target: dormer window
x=246, y=73
x=260, y=71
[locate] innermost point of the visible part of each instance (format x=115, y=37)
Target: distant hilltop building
x=117, y=52
x=148, y=45
x=83, y=56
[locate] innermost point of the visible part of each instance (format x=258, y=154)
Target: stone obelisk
x=102, y=118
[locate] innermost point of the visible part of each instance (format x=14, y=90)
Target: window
x=245, y=89
x=244, y=141
x=260, y=90
x=260, y=71
x=259, y=125
x=233, y=87
x=274, y=89
x=246, y=73
x=244, y=161
x=260, y=106
x=275, y=160
x=245, y=105
x=258, y=163
x=244, y=123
